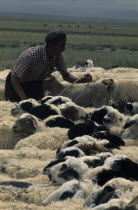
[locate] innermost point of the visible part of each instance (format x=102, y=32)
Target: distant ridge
x=42, y=16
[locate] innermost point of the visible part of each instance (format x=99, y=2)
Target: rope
x=82, y=91
x=68, y=87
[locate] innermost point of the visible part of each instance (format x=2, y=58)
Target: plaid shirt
x=34, y=65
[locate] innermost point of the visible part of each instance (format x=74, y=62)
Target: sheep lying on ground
x=23, y=106
x=87, y=128
x=45, y=99
x=72, y=111
x=48, y=138
x=131, y=128
x=72, y=168
x=115, y=166
x=45, y=110
x=110, y=137
x=91, y=161
x=70, y=189
x=116, y=188
x=58, y=121
x=116, y=122
x=87, y=144
x=58, y=100
x=27, y=124
x=122, y=125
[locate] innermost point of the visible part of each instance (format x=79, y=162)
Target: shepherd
x=27, y=77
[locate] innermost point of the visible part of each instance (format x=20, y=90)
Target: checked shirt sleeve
x=60, y=64
x=22, y=66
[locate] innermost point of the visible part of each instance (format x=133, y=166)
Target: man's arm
x=17, y=87
x=71, y=78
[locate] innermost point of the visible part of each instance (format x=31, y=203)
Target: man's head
x=56, y=40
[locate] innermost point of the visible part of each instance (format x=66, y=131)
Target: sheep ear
x=108, y=83
x=129, y=124
x=35, y=123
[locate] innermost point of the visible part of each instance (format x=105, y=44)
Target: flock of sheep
x=74, y=148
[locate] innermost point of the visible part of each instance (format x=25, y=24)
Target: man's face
x=59, y=47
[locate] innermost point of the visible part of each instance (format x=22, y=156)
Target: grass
x=107, y=44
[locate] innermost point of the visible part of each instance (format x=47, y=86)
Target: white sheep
x=58, y=121
x=23, y=106
x=119, y=188
x=70, y=189
x=58, y=100
x=131, y=128
x=72, y=111
x=115, y=166
x=27, y=124
x=72, y=168
x=122, y=91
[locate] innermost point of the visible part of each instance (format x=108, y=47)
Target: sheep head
x=26, y=124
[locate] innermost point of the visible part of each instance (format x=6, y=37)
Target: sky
x=101, y=9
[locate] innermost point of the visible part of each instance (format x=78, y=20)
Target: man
x=34, y=65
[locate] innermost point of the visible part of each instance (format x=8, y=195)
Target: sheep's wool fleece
x=23, y=158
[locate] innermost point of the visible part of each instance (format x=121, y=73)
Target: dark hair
x=55, y=36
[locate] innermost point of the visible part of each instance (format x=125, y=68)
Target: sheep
x=23, y=106
x=4, y=73
x=93, y=94
x=131, y=128
x=81, y=129
x=89, y=63
x=122, y=91
x=132, y=108
x=8, y=139
x=72, y=111
x=124, y=70
x=78, y=140
x=120, y=124
x=116, y=166
x=27, y=124
x=110, y=137
x=88, y=147
x=58, y=121
x=70, y=151
x=45, y=110
x=45, y=99
x=70, y=189
x=91, y=161
x=111, y=118
x=72, y=168
x=98, y=115
x=58, y=100
x=67, y=190
x=116, y=188
x=44, y=138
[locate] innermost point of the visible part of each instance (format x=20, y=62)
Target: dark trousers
x=32, y=89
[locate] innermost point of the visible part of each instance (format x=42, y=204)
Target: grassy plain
x=107, y=44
